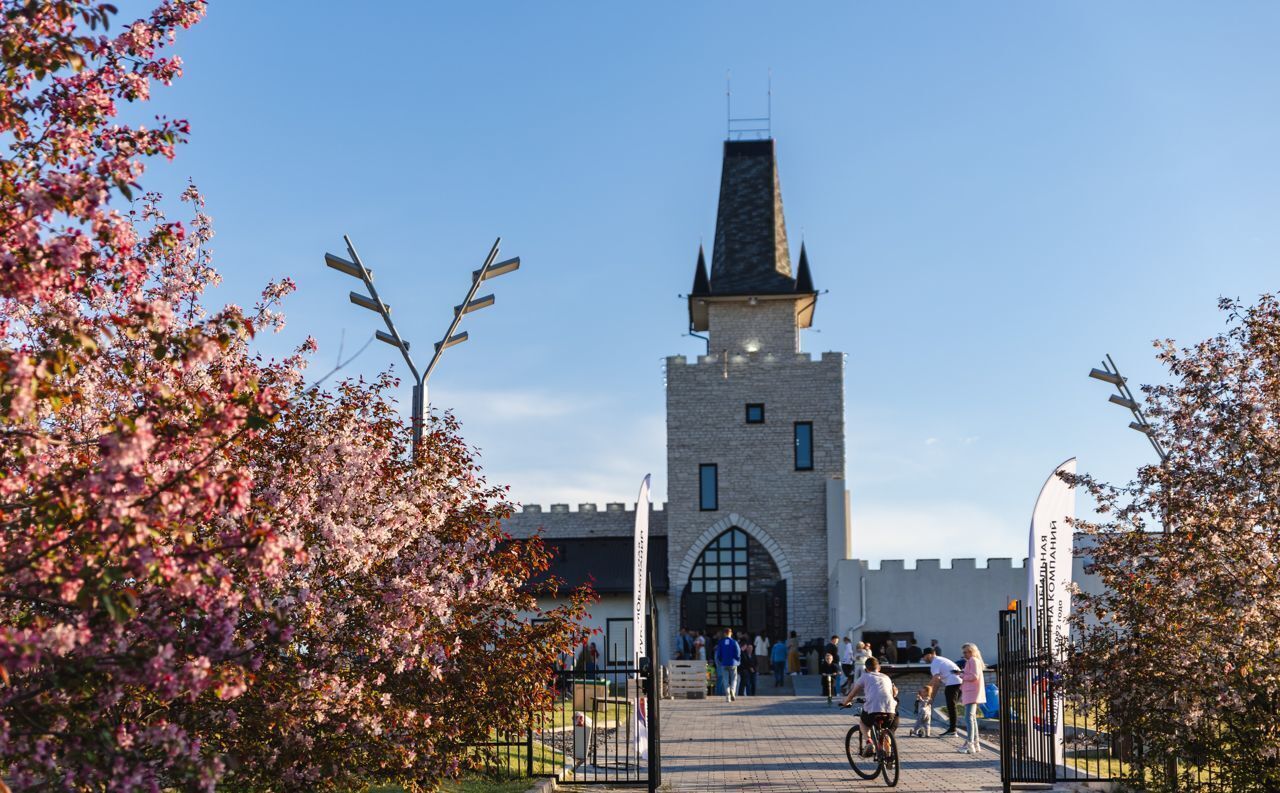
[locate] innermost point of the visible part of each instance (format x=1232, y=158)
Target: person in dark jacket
x=747, y=670
x=828, y=669
x=914, y=653
x=889, y=652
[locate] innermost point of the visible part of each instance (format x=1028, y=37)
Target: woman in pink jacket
x=973, y=692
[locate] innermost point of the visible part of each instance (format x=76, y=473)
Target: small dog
x=924, y=713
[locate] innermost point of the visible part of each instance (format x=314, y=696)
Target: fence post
x=529, y=749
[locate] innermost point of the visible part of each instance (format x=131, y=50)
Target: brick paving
x=794, y=744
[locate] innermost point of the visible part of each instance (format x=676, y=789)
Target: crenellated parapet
x=935, y=565
x=616, y=519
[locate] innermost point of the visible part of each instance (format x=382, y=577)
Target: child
x=829, y=671
x=924, y=712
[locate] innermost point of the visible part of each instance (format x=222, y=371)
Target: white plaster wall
x=619, y=606
x=955, y=604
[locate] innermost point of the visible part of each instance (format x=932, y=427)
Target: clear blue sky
x=994, y=194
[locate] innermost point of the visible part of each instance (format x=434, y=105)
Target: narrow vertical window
x=804, y=445
x=708, y=497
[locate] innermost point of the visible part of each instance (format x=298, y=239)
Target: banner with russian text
x=1050, y=555
x=639, y=619
x=638, y=584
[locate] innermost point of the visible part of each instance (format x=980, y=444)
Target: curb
x=544, y=785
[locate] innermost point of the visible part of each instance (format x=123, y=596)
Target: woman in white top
x=860, y=660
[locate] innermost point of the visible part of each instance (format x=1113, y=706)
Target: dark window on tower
x=721, y=574
x=755, y=413
x=708, y=487
x=804, y=445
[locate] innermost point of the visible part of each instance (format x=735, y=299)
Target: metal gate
x=604, y=728
x=1028, y=689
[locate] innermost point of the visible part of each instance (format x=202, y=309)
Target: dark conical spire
x=701, y=286
x=750, y=254
x=804, y=279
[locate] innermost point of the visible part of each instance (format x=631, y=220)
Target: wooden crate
x=687, y=679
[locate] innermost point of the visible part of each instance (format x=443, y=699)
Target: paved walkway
x=794, y=744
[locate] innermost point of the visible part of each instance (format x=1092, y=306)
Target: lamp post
x=1110, y=373
x=355, y=268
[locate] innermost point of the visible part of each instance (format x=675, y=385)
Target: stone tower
x=757, y=509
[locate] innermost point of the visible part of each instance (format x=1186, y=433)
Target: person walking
x=793, y=654
x=947, y=675
x=778, y=658
x=846, y=664
x=761, y=647
x=728, y=656
x=973, y=692
x=747, y=670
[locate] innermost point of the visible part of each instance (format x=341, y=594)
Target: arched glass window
x=721, y=574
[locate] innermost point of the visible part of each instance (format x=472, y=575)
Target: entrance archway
x=734, y=582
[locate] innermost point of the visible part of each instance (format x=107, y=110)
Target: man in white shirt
x=945, y=673
x=881, y=697
x=846, y=663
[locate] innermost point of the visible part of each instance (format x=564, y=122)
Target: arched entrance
x=735, y=583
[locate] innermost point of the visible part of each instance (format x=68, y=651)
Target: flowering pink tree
x=1183, y=644
x=409, y=635
x=118, y=403
x=210, y=571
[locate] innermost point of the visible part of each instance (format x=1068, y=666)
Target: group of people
x=852, y=668
x=965, y=684
x=739, y=662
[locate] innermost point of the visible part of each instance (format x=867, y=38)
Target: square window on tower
x=755, y=412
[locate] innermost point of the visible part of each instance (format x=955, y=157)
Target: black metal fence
x=599, y=730
x=1054, y=731
x=602, y=728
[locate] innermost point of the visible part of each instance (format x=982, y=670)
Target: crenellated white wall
x=955, y=604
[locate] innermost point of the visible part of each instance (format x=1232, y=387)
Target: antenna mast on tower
x=759, y=128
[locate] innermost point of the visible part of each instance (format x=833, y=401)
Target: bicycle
x=883, y=758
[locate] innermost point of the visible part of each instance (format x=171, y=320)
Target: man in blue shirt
x=778, y=658
x=728, y=655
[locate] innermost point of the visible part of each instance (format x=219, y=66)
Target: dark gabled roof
x=605, y=562
x=750, y=254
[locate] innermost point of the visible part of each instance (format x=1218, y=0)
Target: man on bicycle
x=881, y=700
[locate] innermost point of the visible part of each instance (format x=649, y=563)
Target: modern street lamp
x=1110, y=373
x=356, y=269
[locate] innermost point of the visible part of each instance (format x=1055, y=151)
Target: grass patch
x=483, y=785
x=469, y=784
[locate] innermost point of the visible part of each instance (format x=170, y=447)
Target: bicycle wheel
x=889, y=760
x=865, y=767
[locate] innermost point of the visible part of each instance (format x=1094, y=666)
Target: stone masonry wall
x=615, y=520
x=758, y=484
x=768, y=326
